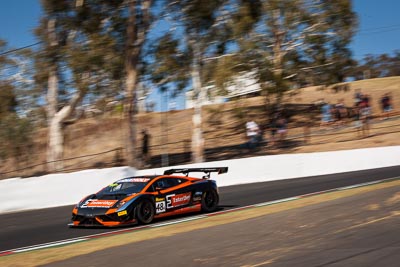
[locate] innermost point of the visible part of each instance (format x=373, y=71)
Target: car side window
x=165, y=183
x=155, y=185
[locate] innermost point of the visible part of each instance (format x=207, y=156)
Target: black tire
x=209, y=201
x=145, y=212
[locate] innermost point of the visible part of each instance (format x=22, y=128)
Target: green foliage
x=200, y=33
x=15, y=132
x=171, y=65
x=248, y=14
x=378, y=66
x=5, y=60
x=290, y=43
x=15, y=136
x=8, y=100
x=86, y=48
x=198, y=16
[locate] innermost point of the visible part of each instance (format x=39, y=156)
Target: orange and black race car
x=141, y=199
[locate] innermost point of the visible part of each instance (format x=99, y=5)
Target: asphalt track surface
x=28, y=228
x=357, y=230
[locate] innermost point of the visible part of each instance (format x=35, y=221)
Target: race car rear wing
x=207, y=171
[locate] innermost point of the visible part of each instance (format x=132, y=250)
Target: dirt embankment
x=223, y=127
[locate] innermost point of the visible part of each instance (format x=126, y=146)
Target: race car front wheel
x=209, y=202
x=145, y=212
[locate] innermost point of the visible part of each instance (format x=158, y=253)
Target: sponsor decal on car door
x=176, y=200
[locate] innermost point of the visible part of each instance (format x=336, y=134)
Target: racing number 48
x=160, y=206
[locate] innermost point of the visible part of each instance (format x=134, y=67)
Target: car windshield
x=126, y=186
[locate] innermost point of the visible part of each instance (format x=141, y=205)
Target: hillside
x=223, y=131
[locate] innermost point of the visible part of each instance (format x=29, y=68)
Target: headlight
x=83, y=200
x=120, y=204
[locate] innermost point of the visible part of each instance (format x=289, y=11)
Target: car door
x=171, y=194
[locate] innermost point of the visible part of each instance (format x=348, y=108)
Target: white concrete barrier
x=64, y=189
x=277, y=167
x=55, y=190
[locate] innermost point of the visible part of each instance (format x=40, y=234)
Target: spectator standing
x=281, y=126
x=326, y=114
x=366, y=100
x=357, y=97
x=334, y=114
x=357, y=120
x=365, y=116
x=340, y=112
x=253, y=134
x=386, y=105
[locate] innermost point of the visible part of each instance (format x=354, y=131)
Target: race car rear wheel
x=209, y=202
x=145, y=212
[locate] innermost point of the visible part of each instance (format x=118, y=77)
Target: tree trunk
x=130, y=117
x=138, y=25
x=278, y=53
x=197, y=137
x=55, y=134
x=55, y=145
x=132, y=55
x=197, y=134
x=55, y=119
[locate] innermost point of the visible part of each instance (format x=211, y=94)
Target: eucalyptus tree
x=181, y=53
x=378, y=66
x=288, y=43
x=90, y=49
x=8, y=101
x=15, y=128
x=281, y=43
x=74, y=60
x=138, y=25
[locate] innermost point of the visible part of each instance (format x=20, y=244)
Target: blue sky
x=379, y=29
